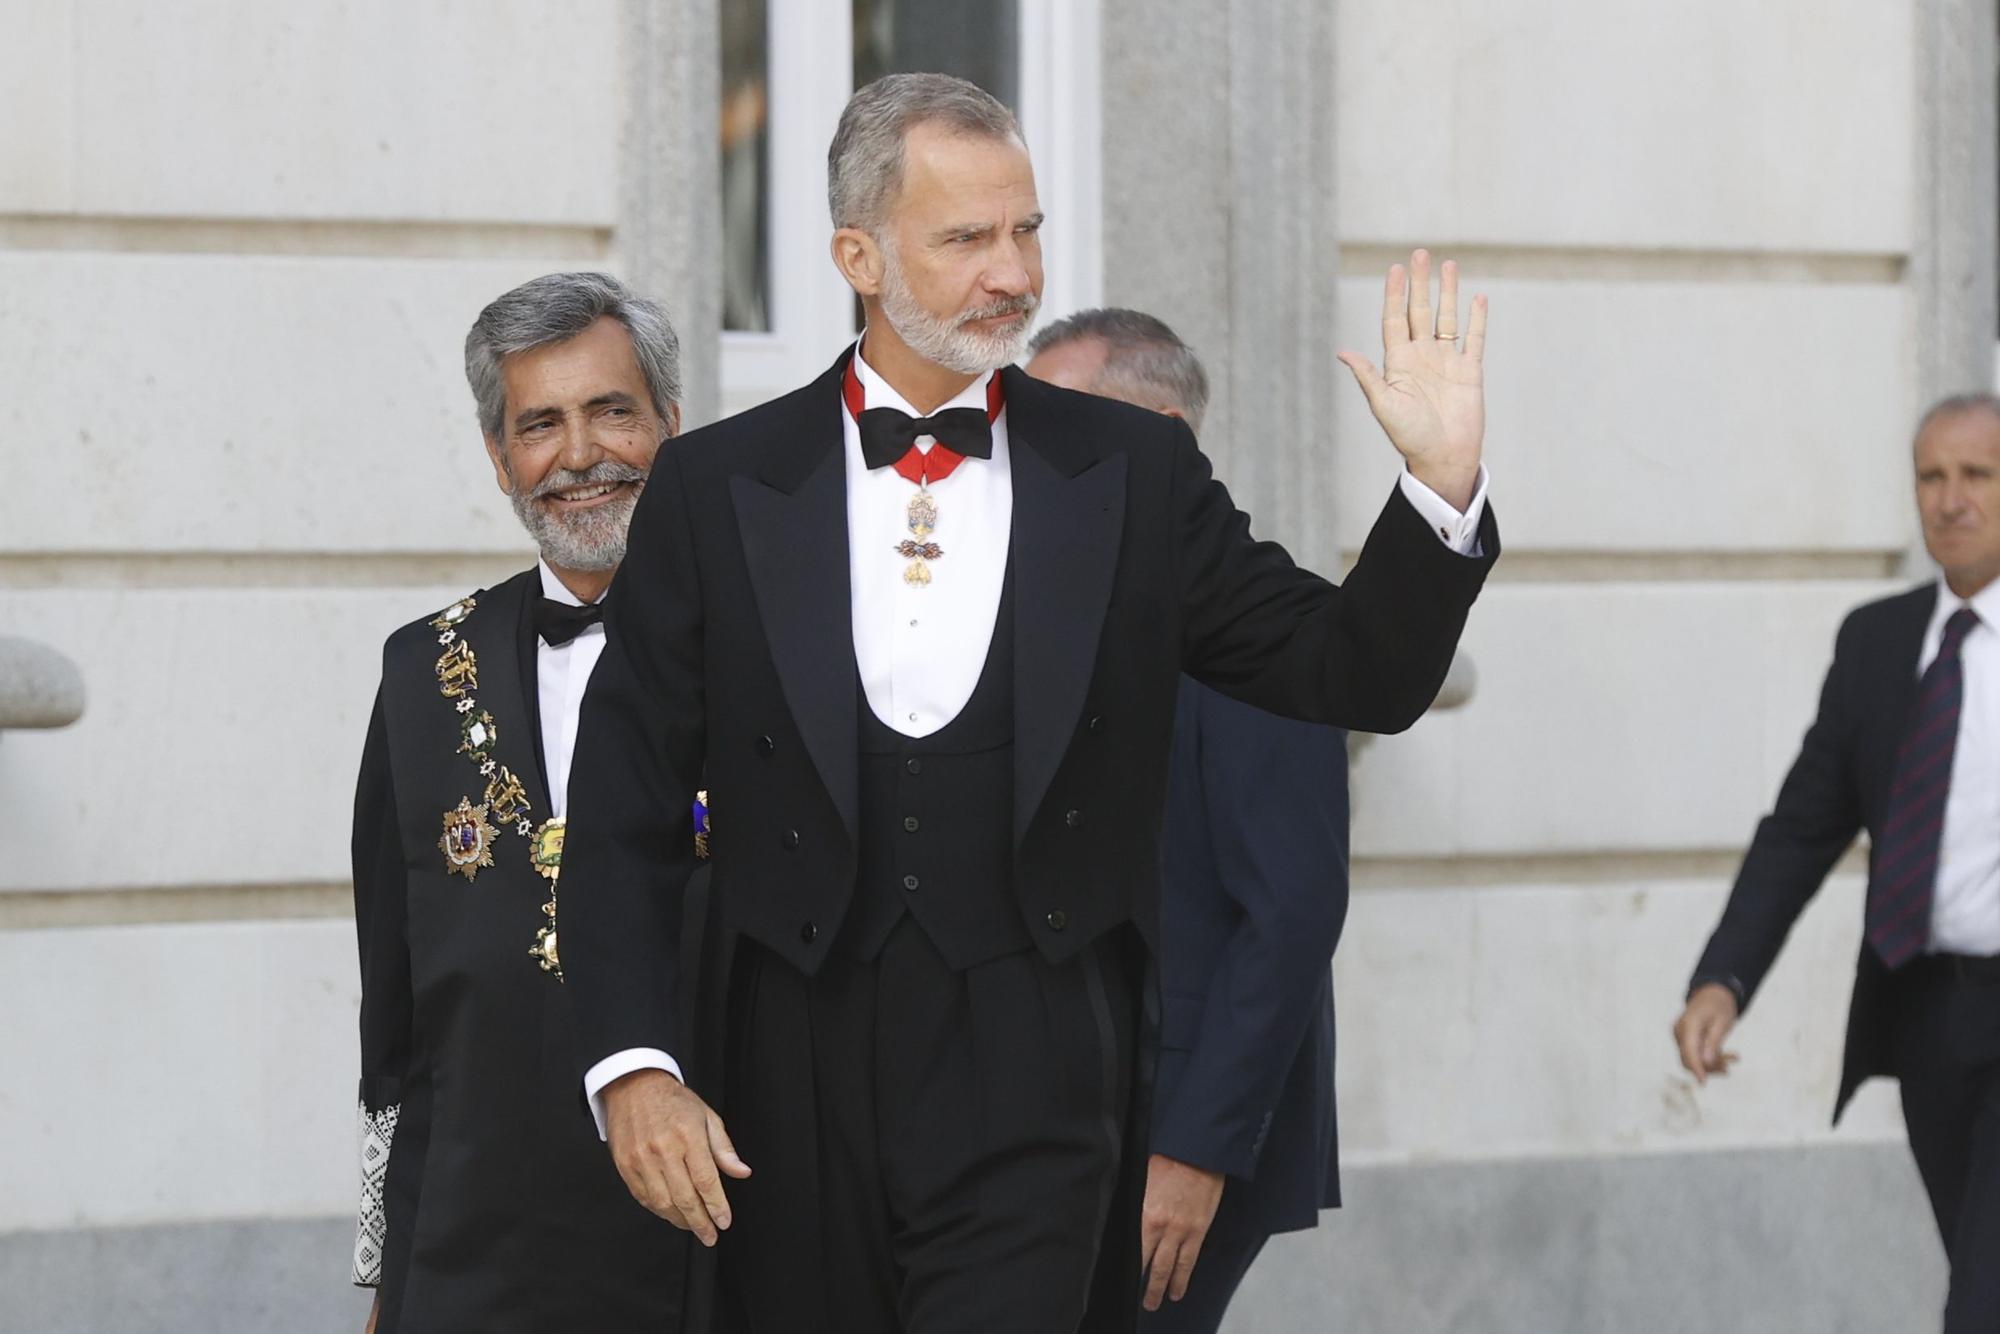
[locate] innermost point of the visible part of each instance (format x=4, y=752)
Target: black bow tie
x=887, y=434
x=559, y=622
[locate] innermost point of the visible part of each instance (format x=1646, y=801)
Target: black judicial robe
x=489, y=1203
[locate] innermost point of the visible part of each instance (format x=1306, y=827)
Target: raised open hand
x=1429, y=395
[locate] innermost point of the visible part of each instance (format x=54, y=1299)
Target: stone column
x=1219, y=171
x=669, y=238
x=1952, y=250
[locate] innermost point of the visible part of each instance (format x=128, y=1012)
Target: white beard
x=592, y=539
x=948, y=342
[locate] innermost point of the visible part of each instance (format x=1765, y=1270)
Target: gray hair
x=554, y=309
x=864, y=165
x=1955, y=404
x=1145, y=362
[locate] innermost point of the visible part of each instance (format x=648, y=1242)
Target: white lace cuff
x=378, y=1131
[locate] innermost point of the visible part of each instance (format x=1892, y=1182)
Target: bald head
x=1123, y=354
x=1957, y=459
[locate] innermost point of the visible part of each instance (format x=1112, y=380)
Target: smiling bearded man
x=468, y=1096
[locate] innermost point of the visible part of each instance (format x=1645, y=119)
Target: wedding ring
x=1446, y=337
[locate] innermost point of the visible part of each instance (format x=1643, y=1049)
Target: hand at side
x=1700, y=1031
x=672, y=1151
x=1181, y=1201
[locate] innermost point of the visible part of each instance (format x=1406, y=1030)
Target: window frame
x=810, y=79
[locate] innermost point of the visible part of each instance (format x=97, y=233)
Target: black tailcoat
x=731, y=655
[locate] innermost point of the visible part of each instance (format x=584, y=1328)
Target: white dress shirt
x=560, y=676
x=1965, y=905
x=920, y=648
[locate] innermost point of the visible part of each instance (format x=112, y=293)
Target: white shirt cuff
x=1458, y=531
x=617, y=1066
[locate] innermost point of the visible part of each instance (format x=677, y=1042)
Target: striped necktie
x=1901, y=885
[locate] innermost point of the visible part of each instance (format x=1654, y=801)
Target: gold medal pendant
x=467, y=842
x=919, y=554
x=545, y=854
x=505, y=797
x=922, y=516
x=458, y=669
x=469, y=833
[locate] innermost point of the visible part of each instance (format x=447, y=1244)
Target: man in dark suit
x=921, y=624
x=1244, y=1137
x=488, y=1205
x=1906, y=746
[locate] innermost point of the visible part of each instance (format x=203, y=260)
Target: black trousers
x=1948, y=1062
x=933, y=1152
x=1218, y=1273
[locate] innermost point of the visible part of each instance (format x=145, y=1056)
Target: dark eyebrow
x=529, y=416
x=963, y=229
x=616, y=398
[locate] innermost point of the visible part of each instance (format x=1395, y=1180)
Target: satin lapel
x=1065, y=552
x=529, y=662
x=795, y=545
x=494, y=632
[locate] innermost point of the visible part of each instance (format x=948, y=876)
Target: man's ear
x=858, y=256
x=498, y=453
x=673, y=421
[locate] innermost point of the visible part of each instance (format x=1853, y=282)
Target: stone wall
x=1708, y=266
x=1728, y=257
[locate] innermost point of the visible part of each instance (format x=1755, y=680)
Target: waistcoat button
x=1058, y=920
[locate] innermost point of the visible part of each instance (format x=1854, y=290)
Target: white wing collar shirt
x=561, y=673
x=921, y=647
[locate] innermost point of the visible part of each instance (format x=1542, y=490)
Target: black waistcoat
x=937, y=821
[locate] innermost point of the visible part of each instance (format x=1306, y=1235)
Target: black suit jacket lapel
x=792, y=518
x=1069, y=517
x=1881, y=691
x=1893, y=682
